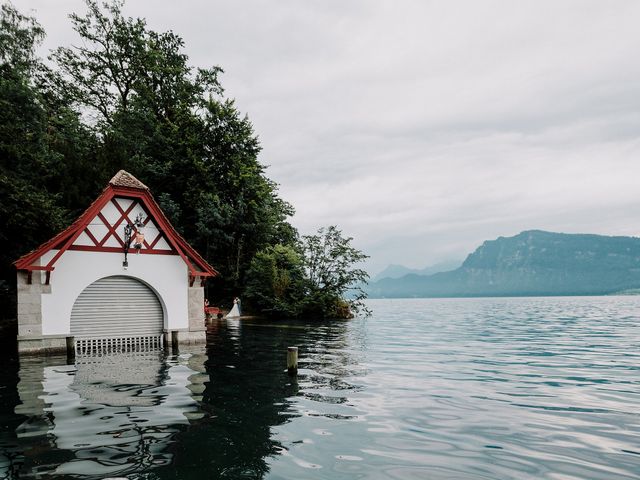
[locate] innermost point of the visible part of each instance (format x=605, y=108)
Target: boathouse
x=119, y=275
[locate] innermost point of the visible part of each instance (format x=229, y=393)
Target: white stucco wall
x=166, y=275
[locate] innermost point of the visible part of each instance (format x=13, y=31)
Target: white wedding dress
x=235, y=311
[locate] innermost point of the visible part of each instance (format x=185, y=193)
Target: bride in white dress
x=235, y=311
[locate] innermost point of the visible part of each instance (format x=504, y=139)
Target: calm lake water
x=519, y=388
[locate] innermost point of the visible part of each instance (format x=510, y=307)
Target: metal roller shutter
x=116, y=307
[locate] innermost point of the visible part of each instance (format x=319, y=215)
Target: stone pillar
x=30, y=305
x=30, y=339
x=196, y=309
x=197, y=329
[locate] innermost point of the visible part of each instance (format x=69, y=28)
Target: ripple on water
x=481, y=388
x=519, y=388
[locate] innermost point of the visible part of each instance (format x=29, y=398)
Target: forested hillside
x=126, y=97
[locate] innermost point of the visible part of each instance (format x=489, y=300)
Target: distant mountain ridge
x=397, y=271
x=531, y=263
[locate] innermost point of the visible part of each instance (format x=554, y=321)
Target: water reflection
x=246, y=396
x=107, y=415
x=478, y=389
x=250, y=397
x=216, y=409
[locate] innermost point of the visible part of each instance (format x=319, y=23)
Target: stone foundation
x=184, y=337
x=50, y=344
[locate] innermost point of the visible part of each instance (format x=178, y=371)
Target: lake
x=497, y=388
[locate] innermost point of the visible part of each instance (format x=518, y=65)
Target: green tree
x=22, y=117
x=29, y=216
x=169, y=124
x=124, y=66
x=31, y=207
x=276, y=282
x=19, y=35
x=128, y=98
x=335, y=281
x=319, y=278
x=238, y=210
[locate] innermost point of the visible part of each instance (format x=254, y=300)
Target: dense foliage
x=127, y=98
x=37, y=135
x=318, y=277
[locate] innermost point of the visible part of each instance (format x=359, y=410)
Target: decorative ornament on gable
x=133, y=236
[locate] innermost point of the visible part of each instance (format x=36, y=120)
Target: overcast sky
x=423, y=128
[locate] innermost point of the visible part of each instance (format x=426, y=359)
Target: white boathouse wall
x=166, y=275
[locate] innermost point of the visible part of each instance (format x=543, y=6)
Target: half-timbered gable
x=120, y=270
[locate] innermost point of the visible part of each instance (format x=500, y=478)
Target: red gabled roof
x=126, y=185
x=24, y=262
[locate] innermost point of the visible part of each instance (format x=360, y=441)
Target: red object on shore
x=211, y=310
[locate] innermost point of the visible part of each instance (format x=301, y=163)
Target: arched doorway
x=117, y=306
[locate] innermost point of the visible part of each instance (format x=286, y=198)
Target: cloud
x=423, y=128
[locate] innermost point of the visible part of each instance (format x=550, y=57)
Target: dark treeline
x=127, y=98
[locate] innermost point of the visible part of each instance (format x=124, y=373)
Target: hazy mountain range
x=531, y=263
x=397, y=271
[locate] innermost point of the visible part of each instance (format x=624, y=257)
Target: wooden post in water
x=292, y=361
x=71, y=349
x=174, y=343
